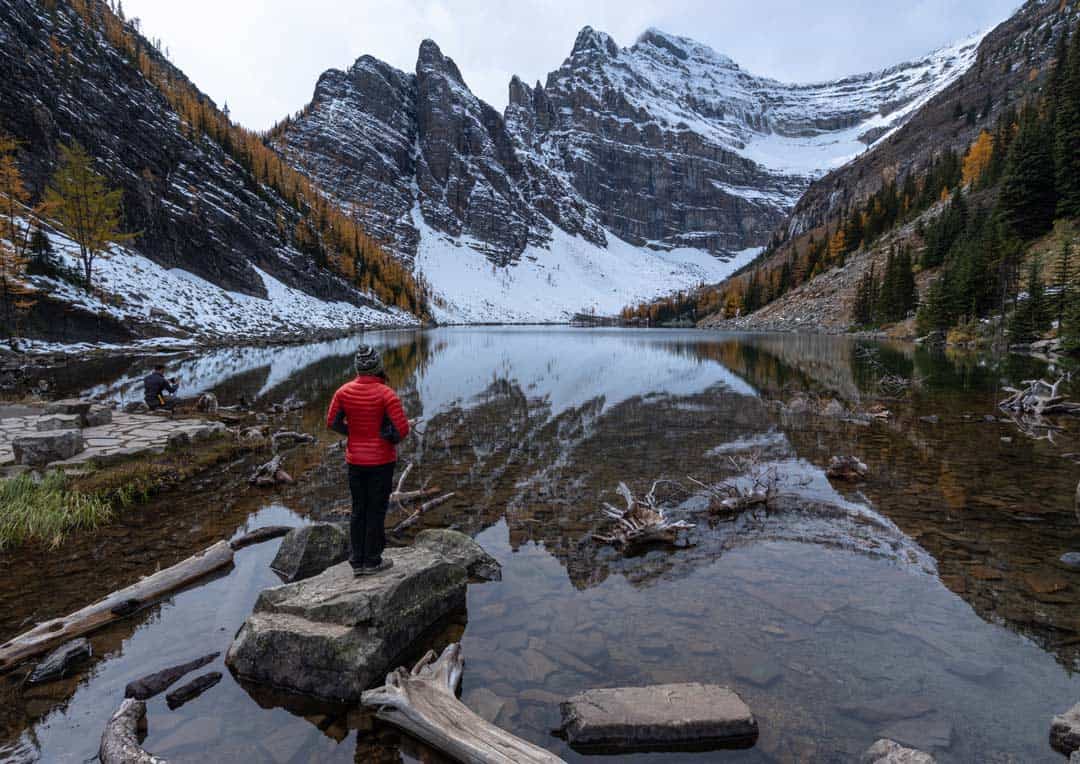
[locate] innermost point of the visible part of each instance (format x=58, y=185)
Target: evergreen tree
x=1032, y=315
x=1028, y=197
x=1063, y=280
x=866, y=293
x=1066, y=115
x=886, y=305
x=908, y=294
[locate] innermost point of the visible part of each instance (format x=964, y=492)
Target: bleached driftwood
x=119, y=604
x=423, y=703
x=642, y=522
x=283, y=438
x=120, y=740
x=270, y=473
x=412, y=519
x=1038, y=398
x=758, y=486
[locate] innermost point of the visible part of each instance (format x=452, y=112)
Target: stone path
x=127, y=435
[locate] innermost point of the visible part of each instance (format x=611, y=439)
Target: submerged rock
x=309, y=550
x=335, y=635
x=60, y=661
x=665, y=715
x=890, y=752
x=1065, y=731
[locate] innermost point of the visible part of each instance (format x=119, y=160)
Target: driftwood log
x=120, y=741
x=49, y=634
x=642, y=522
x=259, y=535
x=1038, y=398
x=284, y=438
x=271, y=473
x=414, y=518
x=423, y=703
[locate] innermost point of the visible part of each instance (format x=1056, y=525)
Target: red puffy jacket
x=365, y=400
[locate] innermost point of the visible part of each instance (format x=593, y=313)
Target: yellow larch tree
x=978, y=157
x=15, y=293
x=86, y=208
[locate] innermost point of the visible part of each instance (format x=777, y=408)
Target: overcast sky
x=264, y=56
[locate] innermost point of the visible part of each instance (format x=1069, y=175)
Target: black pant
x=370, y=488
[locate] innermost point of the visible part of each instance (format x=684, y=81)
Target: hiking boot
x=384, y=564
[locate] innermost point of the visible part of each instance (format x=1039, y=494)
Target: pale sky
x=264, y=58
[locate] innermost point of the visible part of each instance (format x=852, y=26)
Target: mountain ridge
x=609, y=147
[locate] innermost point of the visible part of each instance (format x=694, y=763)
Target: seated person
x=158, y=391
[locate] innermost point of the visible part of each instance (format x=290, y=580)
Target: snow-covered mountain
x=632, y=172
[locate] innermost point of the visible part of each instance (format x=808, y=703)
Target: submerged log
x=423, y=703
x=48, y=634
x=259, y=535
x=192, y=689
x=120, y=741
x=153, y=684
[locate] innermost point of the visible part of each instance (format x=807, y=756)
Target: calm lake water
x=926, y=604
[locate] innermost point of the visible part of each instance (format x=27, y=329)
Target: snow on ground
x=552, y=284
x=182, y=300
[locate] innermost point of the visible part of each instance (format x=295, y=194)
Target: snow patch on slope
x=551, y=284
x=138, y=289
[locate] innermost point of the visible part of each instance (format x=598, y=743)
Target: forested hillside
x=960, y=225
x=198, y=192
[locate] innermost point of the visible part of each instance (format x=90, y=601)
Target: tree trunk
x=117, y=605
x=422, y=702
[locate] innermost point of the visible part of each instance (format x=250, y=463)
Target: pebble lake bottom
x=926, y=604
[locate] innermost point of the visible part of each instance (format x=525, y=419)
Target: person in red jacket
x=369, y=412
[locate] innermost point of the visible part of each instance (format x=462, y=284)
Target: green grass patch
x=46, y=510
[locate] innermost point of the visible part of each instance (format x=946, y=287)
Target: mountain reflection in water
x=925, y=604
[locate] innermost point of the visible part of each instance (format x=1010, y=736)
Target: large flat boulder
x=1065, y=731
x=656, y=717
x=40, y=448
x=335, y=635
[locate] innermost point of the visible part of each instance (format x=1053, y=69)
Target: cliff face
x=193, y=206
x=665, y=144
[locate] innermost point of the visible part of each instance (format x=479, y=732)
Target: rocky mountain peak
x=655, y=41
x=590, y=42
x=431, y=60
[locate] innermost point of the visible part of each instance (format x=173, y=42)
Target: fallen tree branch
x=120, y=740
x=423, y=703
x=270, y=473
x=412, y=519
x=49, y=634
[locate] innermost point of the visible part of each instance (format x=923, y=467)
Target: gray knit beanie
x=368, y=361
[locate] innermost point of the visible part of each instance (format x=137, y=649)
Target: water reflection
x=925, y=604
